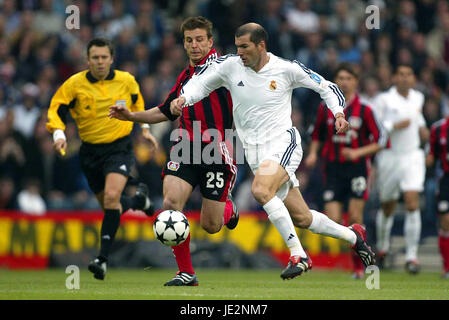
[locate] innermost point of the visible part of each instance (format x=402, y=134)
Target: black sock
x=111, y=222
x=135, y=203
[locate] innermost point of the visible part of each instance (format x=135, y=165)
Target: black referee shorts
x=97, y=160
x=344, y=181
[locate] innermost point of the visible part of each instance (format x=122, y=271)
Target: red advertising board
x=27, y=241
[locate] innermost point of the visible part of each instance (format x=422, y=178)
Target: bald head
x=256, y=31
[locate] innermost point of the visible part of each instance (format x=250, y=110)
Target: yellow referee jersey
x=88, y=101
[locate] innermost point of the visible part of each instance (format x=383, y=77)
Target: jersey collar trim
x=91, y=78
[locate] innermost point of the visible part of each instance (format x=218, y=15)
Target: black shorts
x=344, y=181
x=97, y=160
x=443, y=195
x=215, y=180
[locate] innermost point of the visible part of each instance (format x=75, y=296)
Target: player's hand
x=176, y=105
x=341, y=125
x=311, y=160
x=60, y=146
x=120, y=113
x=150, y=138
x=402, y=124
x=349, y=154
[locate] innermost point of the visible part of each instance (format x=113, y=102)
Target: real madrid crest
x=273, y=85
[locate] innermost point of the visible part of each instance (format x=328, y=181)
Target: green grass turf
x=220, y=285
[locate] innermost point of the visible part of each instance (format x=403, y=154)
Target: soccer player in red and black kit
x=213, y=114
x=346, y=155
x=439, y=151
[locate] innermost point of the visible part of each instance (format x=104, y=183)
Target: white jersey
x=391, y=107
x=261, y=100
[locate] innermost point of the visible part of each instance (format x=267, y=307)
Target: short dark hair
x=348, y=68
x=100, y=42
x=198, y=22
x=403, y=64
x=257, y=32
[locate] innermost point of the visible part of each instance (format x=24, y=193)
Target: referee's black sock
x=111, y=222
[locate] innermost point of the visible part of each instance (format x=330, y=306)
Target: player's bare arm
x=353, y=154
x=150, y=116
x=313, y=154
x=424, y=134
x=401, y=124
x=153, y=115
x=430, y=160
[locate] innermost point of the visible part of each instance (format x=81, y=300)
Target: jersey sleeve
x=301, y=76
x=165, y=106
x=136, y=97
x=62, y=101
x=381, y=110
x=206, y=79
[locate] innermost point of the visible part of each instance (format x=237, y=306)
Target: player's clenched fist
x=176, y=105
x=341, y=125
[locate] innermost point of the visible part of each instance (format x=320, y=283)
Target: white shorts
x=286, y=150
x=398, y=173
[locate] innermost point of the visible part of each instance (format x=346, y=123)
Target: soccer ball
x=171, y=227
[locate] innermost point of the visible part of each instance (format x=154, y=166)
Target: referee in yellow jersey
x=106, y=153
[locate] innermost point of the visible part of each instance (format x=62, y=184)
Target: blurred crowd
x=38, y=52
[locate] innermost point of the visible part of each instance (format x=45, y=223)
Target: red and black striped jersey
x=364, y=129
x=213, y=112
x=439, y=146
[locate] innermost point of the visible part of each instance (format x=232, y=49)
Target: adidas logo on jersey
x=241, y=84
x=291, y=236
x=123, y=167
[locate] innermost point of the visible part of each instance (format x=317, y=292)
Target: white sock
x=321, y=224
x=412, y=233
x=383, y=230
x=280, y=217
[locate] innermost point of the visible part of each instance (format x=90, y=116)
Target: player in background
x=401, y=168
x=346, y=155
x=212, y=113
x=261, y=86
x=439, y=151
x=106, y=153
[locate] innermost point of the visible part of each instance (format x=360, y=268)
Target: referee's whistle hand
x=60, y=146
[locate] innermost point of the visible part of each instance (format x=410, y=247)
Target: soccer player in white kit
x=261, y=86
x=402, y=167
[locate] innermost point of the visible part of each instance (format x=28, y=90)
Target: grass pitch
x=124, y=284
